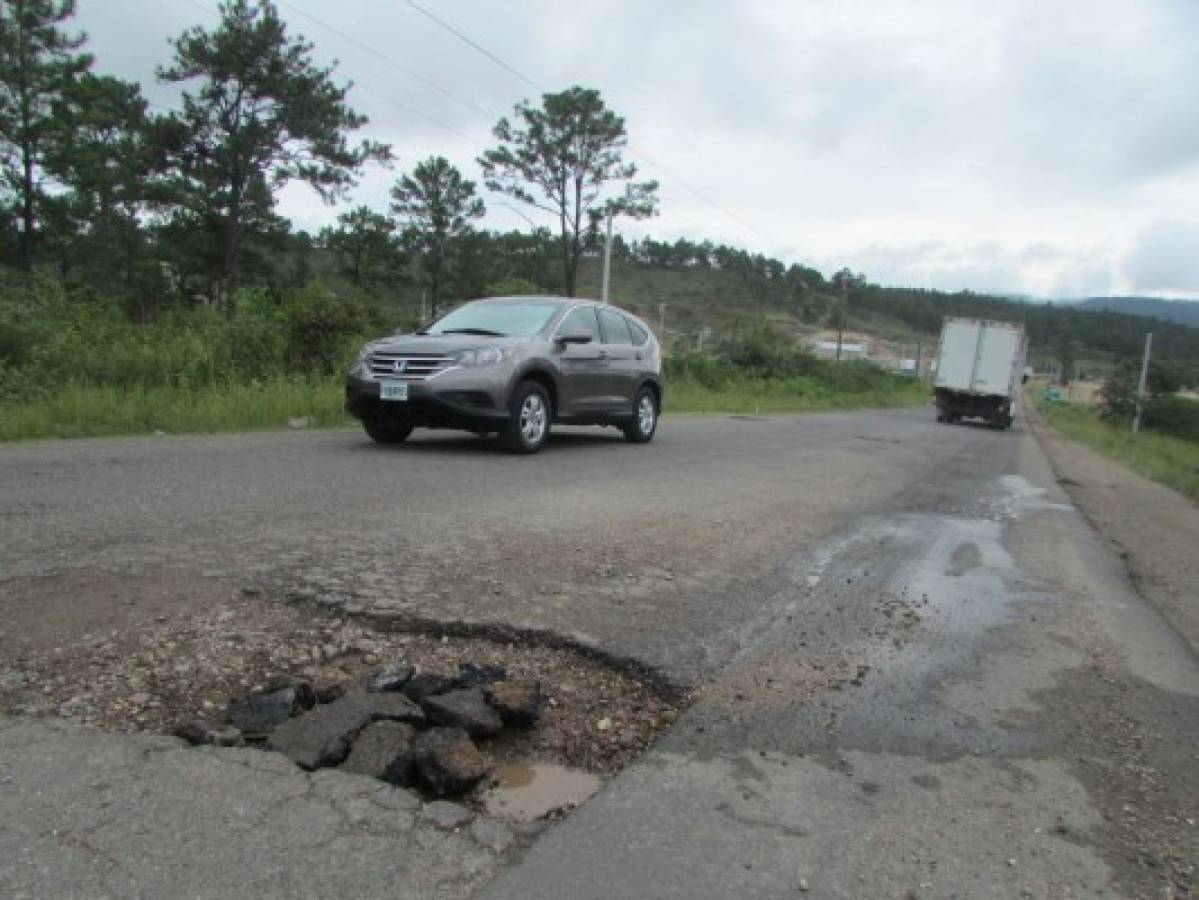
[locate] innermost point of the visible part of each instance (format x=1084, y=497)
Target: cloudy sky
x=1042, y=147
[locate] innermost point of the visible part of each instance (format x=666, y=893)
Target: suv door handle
x=603, y=354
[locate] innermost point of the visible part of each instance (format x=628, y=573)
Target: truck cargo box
x=979, y=370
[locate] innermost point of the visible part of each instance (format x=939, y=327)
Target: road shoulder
x=1154, y=528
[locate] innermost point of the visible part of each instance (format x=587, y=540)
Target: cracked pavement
x=88, y=814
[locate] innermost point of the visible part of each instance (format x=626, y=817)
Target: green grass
x=92, y=411
x=791, y=395
x=1172, y=461
x=87, y=410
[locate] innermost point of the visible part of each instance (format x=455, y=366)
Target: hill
x=713, y=298
x=691, y=301
x=697, y=293
x=1182, y=312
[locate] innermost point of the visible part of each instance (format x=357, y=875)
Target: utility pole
x=841, y=320
x=662, y=320
x=1136, y=422
x=607, y=260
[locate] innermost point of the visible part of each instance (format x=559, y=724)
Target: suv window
x=581, y=320
x=616, y=328
x=640, y=335
x=499, y=319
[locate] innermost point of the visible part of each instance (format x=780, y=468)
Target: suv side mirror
x=575, y=337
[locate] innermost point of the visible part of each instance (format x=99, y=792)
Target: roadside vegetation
x=75, y=369
x=757, y=371
x=1166, y=458
x=95, y=410
x=147, y=281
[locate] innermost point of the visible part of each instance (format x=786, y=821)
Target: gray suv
x=512, y=366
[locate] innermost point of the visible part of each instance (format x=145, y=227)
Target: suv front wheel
x=645, y=418
x=529, y=427
x=386, y=430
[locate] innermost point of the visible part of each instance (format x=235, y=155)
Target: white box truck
x=980, y=367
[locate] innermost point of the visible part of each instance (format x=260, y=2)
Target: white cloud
x=1165, y=258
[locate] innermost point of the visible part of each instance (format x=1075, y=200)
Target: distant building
x=853, y=345
x=829, y=348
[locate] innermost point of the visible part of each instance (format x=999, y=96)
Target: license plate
x=393, y=390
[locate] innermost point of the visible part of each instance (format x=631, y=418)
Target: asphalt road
x=917, y=670
x=654, y=552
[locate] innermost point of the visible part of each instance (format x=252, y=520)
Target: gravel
x=153, y=676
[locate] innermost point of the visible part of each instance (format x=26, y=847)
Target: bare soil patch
x=39, y=614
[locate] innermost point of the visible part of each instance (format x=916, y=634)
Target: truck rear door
x=959, y=346
x=997, y=352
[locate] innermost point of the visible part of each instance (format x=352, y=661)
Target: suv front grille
x=409, y=366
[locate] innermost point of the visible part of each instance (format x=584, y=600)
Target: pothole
x=189, y=667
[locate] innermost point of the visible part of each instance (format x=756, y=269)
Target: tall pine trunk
x=568, y=268
x=104, y=236
x=231, y=253
x=26, y=259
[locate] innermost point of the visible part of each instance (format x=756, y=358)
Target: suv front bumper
x=442, y=402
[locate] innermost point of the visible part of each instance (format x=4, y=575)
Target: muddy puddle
x=524, y=793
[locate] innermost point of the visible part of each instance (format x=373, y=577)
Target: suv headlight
x=362, y=365
x=487, y=356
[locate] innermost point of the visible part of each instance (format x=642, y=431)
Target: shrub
x=1173, y=415
x=701, y=368
x=757, y=350
x=758, y=355
x=322, y=323
x=1118, y=396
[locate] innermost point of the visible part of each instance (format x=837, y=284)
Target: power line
x=702, y=196
x=632, y=149
x=491, y=56
x=520, y=212
x=207, y=9
x=411, y=73
x=381, y=94
x=491, y=116
x=414, y=112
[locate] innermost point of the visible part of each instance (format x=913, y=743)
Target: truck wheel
x=383, y=430
x=529, y=427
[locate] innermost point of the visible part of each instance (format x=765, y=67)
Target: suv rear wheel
x=645, y=418
x=385, y=430
x=529, y=427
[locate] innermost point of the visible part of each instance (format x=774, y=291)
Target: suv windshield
x=495, y=319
